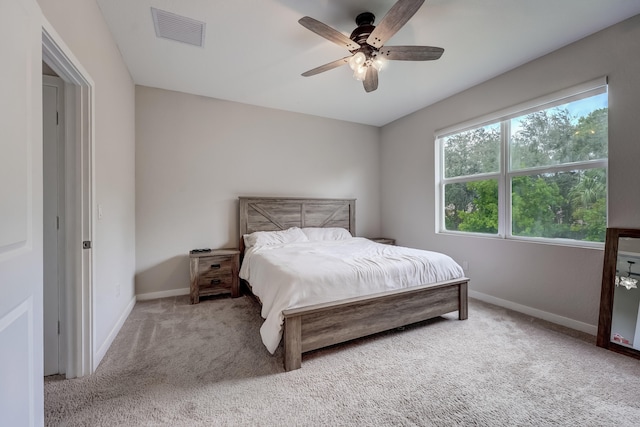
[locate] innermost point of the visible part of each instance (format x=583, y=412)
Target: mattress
x=298, y=274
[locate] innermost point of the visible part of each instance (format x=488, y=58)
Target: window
x=535, y=171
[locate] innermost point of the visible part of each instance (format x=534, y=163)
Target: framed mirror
x=619, y=320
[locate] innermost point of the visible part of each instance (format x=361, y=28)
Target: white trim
x=584, y=244
x=544, y=315
x=472, y=178
x=162, y=294
x=114, y=332
x=80, y=185
x=523, y=108
x=562, y=167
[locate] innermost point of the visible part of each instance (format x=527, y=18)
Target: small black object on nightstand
x=199, y=251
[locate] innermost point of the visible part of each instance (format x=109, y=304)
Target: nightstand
x=383, y=240
x=214, y=273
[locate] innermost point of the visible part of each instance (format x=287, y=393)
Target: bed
x=339, y=314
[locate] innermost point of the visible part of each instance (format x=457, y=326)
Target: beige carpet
x=174, y=364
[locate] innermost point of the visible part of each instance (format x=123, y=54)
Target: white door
x=53, y=236
x=21, y=370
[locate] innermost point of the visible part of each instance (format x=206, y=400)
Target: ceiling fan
x=366, y=43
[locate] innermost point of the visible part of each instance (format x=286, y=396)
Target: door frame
x=78, y=304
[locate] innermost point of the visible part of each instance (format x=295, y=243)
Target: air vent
x=179, y=28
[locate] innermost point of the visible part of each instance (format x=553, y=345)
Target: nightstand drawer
x=214, y=278
x=215, y=265
x=214, y=272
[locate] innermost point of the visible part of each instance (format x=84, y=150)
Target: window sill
x=536, y=240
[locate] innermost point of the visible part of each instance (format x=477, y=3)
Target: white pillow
x=261, y=238
x=315, y=234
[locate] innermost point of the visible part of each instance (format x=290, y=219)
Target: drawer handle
x=215, y=282
x=215, y=266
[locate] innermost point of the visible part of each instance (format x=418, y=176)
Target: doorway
x=75, y=185
x=53, y=173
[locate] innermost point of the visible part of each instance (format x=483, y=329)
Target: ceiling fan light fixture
x=379, y=63
x=627, y=281
x=360, y=73
x=357, y=60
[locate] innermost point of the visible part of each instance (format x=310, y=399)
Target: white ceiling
x=255, y=50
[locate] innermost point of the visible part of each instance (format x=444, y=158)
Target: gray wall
x=559, y=283
x=195, y=156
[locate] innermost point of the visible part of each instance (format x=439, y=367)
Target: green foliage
x=569, y=204
x=472, y=152
x=542, y=139
x=591, y=222
x=536, y=204
x=481, y=216
x=589, y=198
x=458, y=198
x=590, y=139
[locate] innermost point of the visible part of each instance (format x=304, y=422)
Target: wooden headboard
x=280, y=213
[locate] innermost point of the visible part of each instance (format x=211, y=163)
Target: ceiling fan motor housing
x=364, y=28
x=365, y=18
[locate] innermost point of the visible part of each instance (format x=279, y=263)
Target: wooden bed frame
x=321, y=325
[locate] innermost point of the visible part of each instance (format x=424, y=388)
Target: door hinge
x=57, y=119
x=58, y=222
x=86, y=244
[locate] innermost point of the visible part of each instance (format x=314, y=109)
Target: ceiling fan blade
x=397, y=16
x=411, y=53
x=371, y=79
x=328, y=33
x=326, y=67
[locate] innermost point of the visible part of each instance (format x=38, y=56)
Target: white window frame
x=504, y=176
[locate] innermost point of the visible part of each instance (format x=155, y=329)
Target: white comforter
x=304, y=273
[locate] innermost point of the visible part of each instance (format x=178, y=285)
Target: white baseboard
x=550, y=317
x=97, y=357
x=162, y=294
